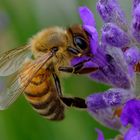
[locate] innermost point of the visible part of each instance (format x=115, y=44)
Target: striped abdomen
x=42, y=95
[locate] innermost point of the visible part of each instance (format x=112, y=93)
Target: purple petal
x=132, y=134
x=94, y=43
x=110, y=11
x=87, y=16
x=89, y=25
x=100, y=57
x=90, y=64
x=100, y=134
x=77, y=60
x=132, y=55
x=102, y=106
x=136, y=23
x=131, y=107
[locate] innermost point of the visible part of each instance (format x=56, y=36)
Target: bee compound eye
x=80, y=42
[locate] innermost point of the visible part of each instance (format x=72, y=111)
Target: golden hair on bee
x=47, y=39
x=49, y=53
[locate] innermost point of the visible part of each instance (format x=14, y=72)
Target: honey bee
x=40, y=64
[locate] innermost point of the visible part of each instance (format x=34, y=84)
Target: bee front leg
x=78, y=69
x=73, y=69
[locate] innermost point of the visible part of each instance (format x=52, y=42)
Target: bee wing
x=8, y=96
x=12, y=60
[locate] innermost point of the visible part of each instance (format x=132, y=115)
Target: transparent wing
x=8, y=96
x=12, y=60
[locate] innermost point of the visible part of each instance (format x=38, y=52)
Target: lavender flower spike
x=102, y=106
x=110, y=11
x=116, y=57
x=114, y=36
x=136, y=23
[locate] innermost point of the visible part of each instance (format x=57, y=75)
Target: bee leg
x=57, y=84
x=68, y=101
x=73, y=69
x=74, y=102
x=78, y=69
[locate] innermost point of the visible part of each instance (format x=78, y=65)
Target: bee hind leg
x=74, y=102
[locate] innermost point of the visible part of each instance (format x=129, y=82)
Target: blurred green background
x=19, y=20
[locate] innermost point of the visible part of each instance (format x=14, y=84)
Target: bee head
x=80, y=40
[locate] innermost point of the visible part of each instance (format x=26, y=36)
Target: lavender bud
x=132, y=55
x=102, y=105
x=110, y=11
x=136, y=23
x=109, y=98
x=114, y=36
